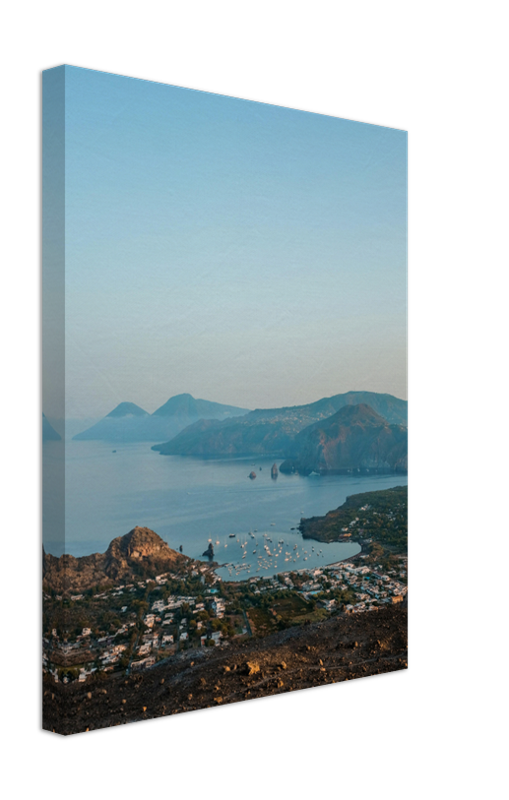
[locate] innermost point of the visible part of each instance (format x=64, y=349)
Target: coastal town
x=133, y=626
x=142, y=604
x=142, y=630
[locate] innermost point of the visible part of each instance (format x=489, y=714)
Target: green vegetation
x=378, y=520
x=279, y=610
x=313, y=616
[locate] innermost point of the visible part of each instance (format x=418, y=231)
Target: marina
x=284, y=555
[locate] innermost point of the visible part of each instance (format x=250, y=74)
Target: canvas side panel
x=53, y=380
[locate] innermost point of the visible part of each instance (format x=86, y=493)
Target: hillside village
x=142, y=623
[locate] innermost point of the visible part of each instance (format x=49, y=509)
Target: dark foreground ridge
x=142, y=631
x=342, y=648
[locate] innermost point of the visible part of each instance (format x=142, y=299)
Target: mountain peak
x=139, y=553
x=354, y=439
x=178, y=404
x=130, y=423
x=127, y=410
x=186, y=404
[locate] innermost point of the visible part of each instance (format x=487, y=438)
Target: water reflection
x=264, y=554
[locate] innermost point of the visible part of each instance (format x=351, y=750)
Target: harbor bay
x=252, y=523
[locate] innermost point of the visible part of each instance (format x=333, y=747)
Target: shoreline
x=289, y=571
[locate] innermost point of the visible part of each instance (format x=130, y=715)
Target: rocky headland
x=139, y=553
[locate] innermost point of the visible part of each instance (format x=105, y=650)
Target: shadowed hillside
x=355, y=438
x=273, y=431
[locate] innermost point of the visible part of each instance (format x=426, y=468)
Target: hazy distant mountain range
x=48, y=431
x=285, y=432
x=130, y=423
x=363, y=431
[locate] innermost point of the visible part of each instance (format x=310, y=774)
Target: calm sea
x=190, y=501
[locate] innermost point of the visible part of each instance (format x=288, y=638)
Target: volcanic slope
x=355, y=438
x=341, y=648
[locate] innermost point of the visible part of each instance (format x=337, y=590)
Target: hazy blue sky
x=246, y=253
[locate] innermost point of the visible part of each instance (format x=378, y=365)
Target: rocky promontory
x=209, y=552
x=139, y=553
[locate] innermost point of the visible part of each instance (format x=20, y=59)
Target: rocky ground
x=139, y=553
x=342, y=648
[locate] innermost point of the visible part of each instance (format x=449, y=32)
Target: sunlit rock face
x=138, y=552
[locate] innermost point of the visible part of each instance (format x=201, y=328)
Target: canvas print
x=224, y=400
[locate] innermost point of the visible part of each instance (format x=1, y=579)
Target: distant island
x=356, y=431
x=139, y=553
x=356, y=438
x=49, y=434
x=130, y=423
x=125, y=410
